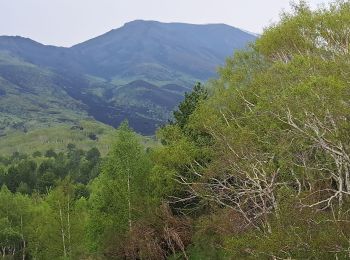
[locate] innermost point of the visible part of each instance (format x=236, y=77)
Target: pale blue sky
x=67, y=22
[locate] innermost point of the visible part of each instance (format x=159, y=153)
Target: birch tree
x=120, y=192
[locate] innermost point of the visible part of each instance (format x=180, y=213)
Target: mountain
x=138, y=72
x=161, y=52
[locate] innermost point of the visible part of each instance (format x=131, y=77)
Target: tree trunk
x=68, y=222
x=23, y=241
x=129, y=201
x=62, y=231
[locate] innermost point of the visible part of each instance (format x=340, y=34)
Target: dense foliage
x=43, y=202
x=256, y=166
x=38, y=173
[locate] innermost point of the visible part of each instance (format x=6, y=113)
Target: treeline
x=254, y=166
x=39, y=172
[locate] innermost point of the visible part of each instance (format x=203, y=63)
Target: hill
x=30, y=96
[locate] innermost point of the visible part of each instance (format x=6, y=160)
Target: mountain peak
x=139, y=24
x=140, y=21
x=160, y=52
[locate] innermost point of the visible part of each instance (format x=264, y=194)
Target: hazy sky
x=67, y=22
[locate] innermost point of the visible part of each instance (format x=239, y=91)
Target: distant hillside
x=138, y=72
x=30, y=96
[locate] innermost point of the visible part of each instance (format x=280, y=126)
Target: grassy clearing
x=59, y=136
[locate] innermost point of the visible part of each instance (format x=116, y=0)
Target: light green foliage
x=120, y=193
x=15, y=218
x=67, y=223
x=277, y=117
x=58, y=224
x=171, y=158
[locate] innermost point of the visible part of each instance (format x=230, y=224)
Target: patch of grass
x=85, y=135
x=58, y=137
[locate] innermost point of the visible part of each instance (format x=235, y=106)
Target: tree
x=119, y=194
x=189, y=104
x=58, y=228
x=15, y=218
x=50, y=153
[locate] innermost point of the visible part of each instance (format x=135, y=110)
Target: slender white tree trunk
x=62, y=231
x=23, y=241
x=68, y=222
x=129, y=201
